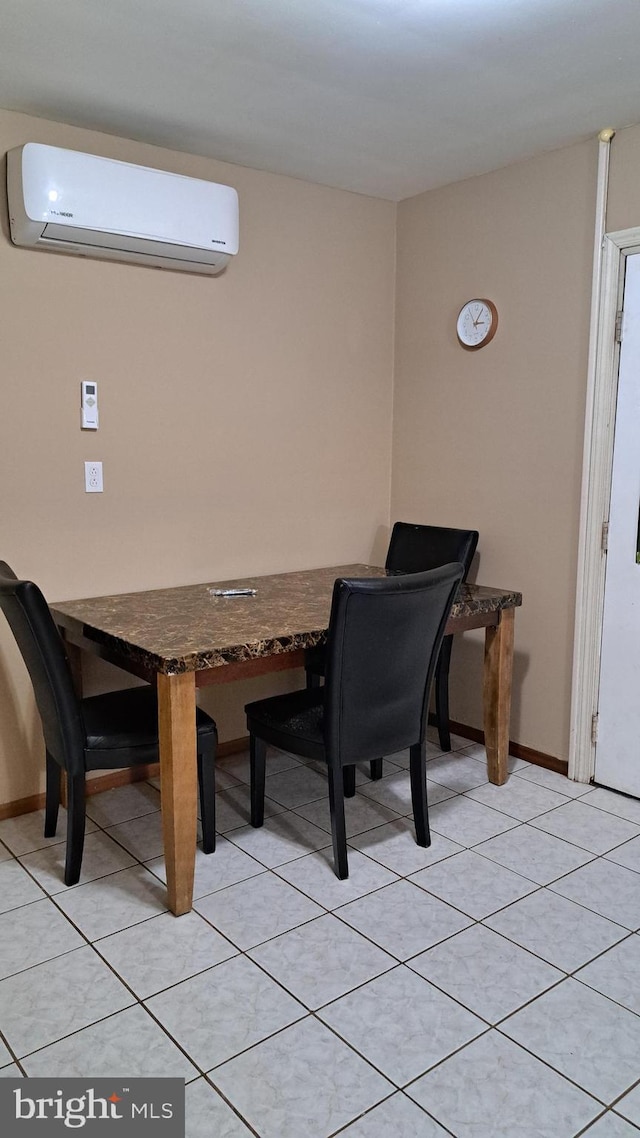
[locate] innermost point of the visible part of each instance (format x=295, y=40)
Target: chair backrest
x=415, y=548
x=43, y=652
x=382, y=646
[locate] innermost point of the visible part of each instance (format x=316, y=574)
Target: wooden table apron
x=87, y=629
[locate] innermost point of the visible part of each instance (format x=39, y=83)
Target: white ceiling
x=385, y=97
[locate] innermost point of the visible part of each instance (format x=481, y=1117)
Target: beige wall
x=245, y=419
x=493, y=439
x=623, y=209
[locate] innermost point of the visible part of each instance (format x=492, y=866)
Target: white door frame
x=594, y=508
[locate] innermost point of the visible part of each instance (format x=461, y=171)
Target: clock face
x=477, y=323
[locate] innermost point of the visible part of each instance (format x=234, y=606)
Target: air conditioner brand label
x=131, y=1108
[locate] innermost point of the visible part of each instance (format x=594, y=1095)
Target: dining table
x=186, y=637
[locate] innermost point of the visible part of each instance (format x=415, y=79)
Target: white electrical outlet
x=93, y=477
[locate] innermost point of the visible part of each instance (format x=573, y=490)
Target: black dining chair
x=414, y=549
x=382, y=645
x=119, y=729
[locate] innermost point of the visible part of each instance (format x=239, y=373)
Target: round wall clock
x=477, y=323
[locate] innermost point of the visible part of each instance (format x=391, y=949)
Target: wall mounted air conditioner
x=69, y=202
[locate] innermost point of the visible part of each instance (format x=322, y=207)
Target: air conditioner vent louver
x=65, y=201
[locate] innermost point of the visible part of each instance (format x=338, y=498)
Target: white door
x=618, y=745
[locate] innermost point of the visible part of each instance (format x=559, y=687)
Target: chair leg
x=75, y=828
x=418, y=770
x=207, y=785
x=258, y=758
x=338, y=828
x=52, y=797
x=376, y=769
x=349, y=780
x=442, y=693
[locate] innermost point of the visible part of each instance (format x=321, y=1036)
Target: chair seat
x=122, y=720
x=297, y=716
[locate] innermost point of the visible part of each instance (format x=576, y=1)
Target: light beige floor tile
x=209, y=1116
x=394, y=846
x=433, y=750
x=115, y=902
x=485, y=972
x=59, y=997
x=611, y=1126
x=296, y=786
x=127, y=1045
x=396, y=1117
x=101, y=856
x=32, y=934
x=225, y=866
x=457, y=770
x=321, y=960
x=629, y=1106
x=124, y=802
x=627, y=855
x=220, y=1013
x=466, y=822
x=233, y=808
x=11, y=1072
x=302, y=1083
x=518, y=798
x=605, y=888
x=361, y=813
x=493, y=976
x=386, y=1022
x=556, y=929
x=238, y=765
x=478, y=751
x=586, y=826
x=583, y=1035
x=315, y=876
x=142, y=836
x=621, y=805
x=256, y=910
x=616, y=974
x=16, y=887
x=163, y=951
x=458, y=742
x=26, y=832
x=533, y=854
x=394, y=792
x=282, y=838
x=403, y=919
x=495, y=1089
x=555, y=781
x=224, y=777
x=473, y=884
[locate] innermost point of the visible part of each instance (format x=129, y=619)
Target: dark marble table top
x=186, y=629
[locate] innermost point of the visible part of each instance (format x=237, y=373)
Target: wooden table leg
x=178, y=785
x=498, y=667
